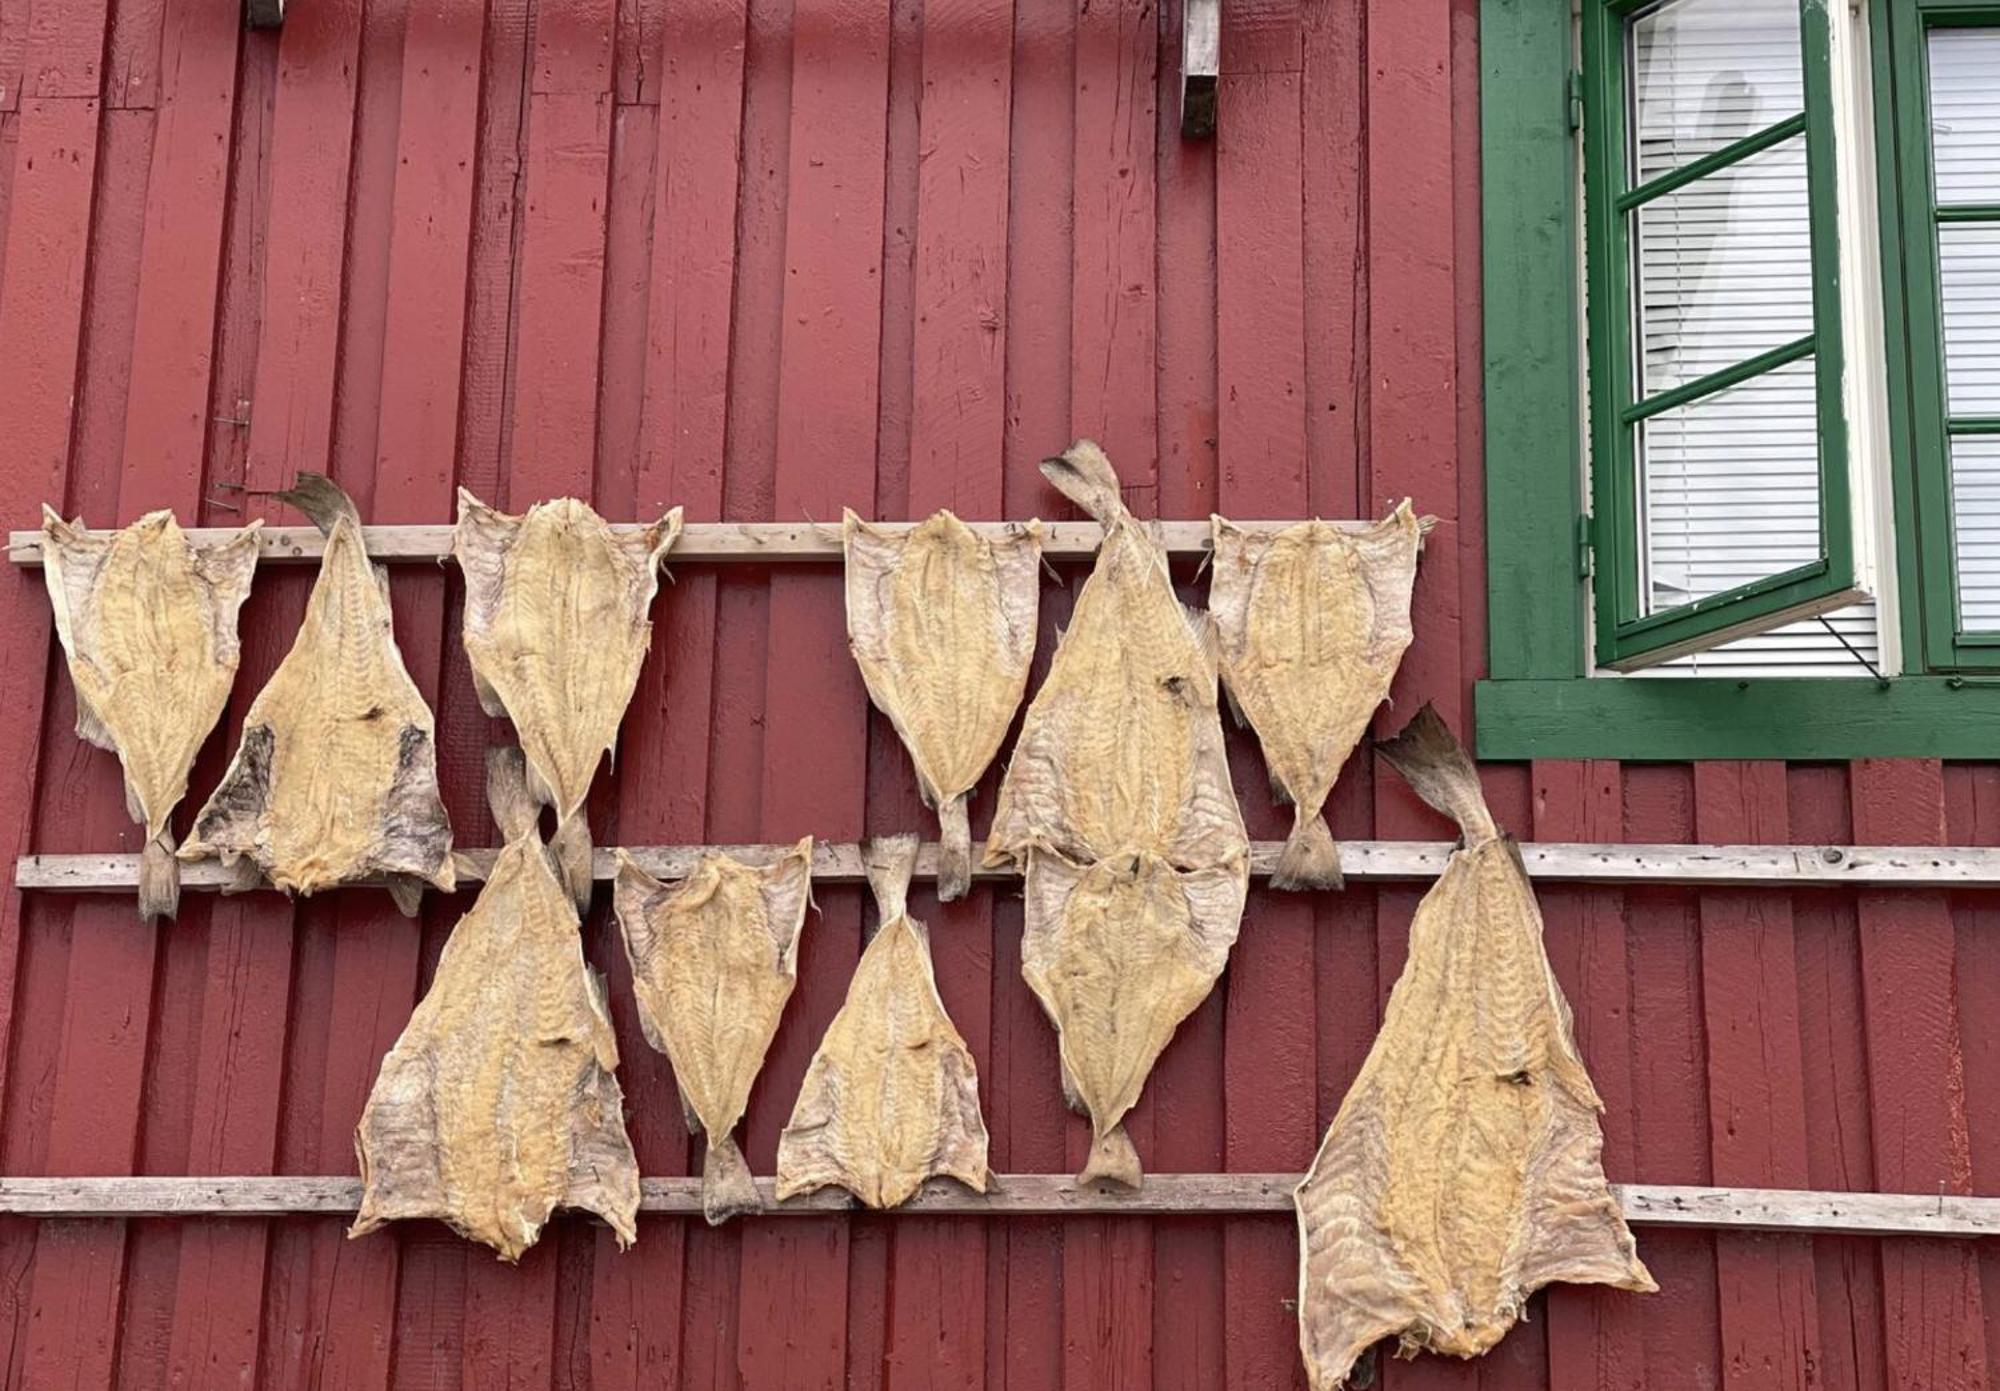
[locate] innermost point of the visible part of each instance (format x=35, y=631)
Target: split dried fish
x=148, y=624
x=1119, y=953
x=500, y=1102
x=891, y=1098
x=714, y=959
x=1464, y=1170
x=1311, y=623
x=335, y=781
x=942, y=623
x=556, y=625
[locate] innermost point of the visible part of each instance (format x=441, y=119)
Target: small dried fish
x=1311, y=624
x=942, y=623
x=1464, y=1170
x=891, y=1098
x=335, y=781
x=500, y=1102
x=148, y=624
x=714, y=958
x=556, y=626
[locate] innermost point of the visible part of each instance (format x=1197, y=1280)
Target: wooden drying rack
x=1777, y=867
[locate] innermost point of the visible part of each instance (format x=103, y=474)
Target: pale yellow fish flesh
x=1119, y=953
x=500, y=1102
x=556, y=626
x=1464, y=1170
x=148, y=625
x=1311, y=623
x=335, y=780
x=714, y=959
x=891, y=1099
x=941, y=622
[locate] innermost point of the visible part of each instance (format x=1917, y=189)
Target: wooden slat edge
x=1798, y=866
x=1756, y=1209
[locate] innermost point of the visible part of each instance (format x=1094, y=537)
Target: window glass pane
x=1706, y=73
x=1722, y=268
x=1729, y=488
x=1969, y=275
x=1965, y=114
x=1975, y=521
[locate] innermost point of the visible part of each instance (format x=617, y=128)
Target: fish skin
x=891, y=1098
x=941, y=622
x=714, y=959
x=335, y=779
x=1464, y=1169
x=557, y=627
x=500, y=1101
x=1311, y=624
x=148, y=629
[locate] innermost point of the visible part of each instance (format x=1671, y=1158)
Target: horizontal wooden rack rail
x=1038, y=1195
x=1365, y=861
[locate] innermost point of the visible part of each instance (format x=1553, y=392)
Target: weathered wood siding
x=764, y=263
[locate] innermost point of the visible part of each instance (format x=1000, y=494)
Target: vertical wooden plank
x=1934, y=1319
x=1973, y=818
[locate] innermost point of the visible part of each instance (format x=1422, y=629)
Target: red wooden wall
x=765, y=262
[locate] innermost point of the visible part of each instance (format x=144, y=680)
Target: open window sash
x=1721, y=498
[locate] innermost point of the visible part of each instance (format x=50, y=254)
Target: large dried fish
x=336, y=778
x=556, y=626
x=1119, y=953
x=1311, y=623
x=500, y=1102
x=891, y=1098
x=714, y=958
x=942, y=623
x=1464, y=1170
x=148, y=624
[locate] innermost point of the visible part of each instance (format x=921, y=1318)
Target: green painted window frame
x=1538, y=701
x=1625, y=636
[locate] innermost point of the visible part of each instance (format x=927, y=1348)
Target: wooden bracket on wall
x=1201, y=66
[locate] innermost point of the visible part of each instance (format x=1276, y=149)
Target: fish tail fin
x=571, y=845
x=890, y=861
x=954, y=873
x=727, y=1189
x=1112, y=1160
x=507, y=796
x=1083, y=474
x=1435, y=763
x=1310, y=859
x=320, y=498
x=159, y=879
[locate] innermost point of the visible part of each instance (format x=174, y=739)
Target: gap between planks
x=1037, y=1195
x=1798, y=866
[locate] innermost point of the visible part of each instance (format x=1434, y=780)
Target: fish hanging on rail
x=1311, y=623
x=891, y=1098
x=714, y=959
x=941, y=621
x=148, y=626
x=335, y=780
x=1464, y=1170
x=556, y=626
x=500, y=1102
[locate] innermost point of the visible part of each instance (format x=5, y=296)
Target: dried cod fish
x=1119, y=953
x=942, y=623
x=714, y=958
x=335, y=781
x=1311, y=623
x=891, y=1098
x=1464, y=1170
x=500, y=1102
x=148, y=624
x=556, y=626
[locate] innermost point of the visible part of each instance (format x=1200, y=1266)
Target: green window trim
x=1538, y=701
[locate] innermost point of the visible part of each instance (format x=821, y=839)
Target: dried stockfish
x=891, y=1098
x=942, y=623
x=500, y=1102
x=556, y=626
x=1311, y=623
x=148, y=624
x=714, y=958
x=1464, y=1170
x=335, y=781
